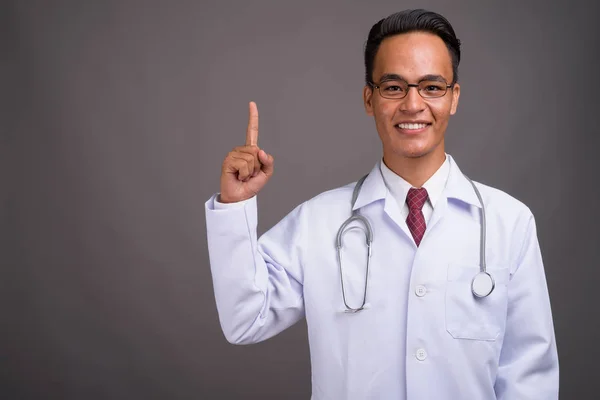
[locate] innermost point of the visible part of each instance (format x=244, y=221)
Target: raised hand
x=246, y=169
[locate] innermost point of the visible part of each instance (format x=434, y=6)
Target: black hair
x=411, y=21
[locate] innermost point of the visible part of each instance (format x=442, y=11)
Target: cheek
x=384, y=112
x=441, y=112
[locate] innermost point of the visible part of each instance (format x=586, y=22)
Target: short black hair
x=411, y=21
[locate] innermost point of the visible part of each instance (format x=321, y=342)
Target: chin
x=412, y=151
x=412, y=154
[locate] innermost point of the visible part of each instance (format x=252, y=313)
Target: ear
x=368, y=99
x=455, y=97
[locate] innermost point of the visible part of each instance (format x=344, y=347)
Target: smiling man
x=439, y=292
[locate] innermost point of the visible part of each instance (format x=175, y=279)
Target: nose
x=413, y=102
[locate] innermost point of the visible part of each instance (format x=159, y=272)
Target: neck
x=417, y=170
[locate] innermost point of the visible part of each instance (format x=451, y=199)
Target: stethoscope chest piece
x=482, y=285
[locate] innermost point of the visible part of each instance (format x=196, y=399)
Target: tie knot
x=416, y=198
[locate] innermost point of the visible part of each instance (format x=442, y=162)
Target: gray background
x=116, y=118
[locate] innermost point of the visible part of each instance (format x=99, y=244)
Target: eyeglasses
x=398, y=89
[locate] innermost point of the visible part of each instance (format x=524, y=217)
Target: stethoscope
x=482, y=285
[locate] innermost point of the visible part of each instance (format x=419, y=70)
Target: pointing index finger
x=252, y=132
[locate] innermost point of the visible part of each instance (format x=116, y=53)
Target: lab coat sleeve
x=257, y=283
x=528, y=367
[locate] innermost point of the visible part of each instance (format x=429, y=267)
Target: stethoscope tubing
x=482, y=284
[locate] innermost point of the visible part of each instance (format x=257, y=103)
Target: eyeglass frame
x=409, y=85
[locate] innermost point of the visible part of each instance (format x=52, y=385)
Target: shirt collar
x=399, y=187
x=456, y=185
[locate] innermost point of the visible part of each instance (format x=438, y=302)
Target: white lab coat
x=423, y=334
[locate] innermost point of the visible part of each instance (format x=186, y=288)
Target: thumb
x=267, y=162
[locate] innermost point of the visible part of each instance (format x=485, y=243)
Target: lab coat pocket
x=470, y=317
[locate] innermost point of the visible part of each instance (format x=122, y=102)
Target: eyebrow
x=396, y=77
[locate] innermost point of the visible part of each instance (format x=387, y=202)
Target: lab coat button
x=421, y=354
x=421, y=291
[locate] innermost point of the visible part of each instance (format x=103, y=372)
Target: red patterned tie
x=415, y=199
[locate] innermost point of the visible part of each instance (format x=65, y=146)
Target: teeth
x=411, y=126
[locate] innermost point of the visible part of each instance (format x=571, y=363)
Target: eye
x=432, y=87
x=393, y=88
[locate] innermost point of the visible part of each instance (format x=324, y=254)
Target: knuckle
x=250, y=149
x=242, y=158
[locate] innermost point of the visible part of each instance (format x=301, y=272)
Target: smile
x=411, y=126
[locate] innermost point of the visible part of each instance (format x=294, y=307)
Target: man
x=417, y=315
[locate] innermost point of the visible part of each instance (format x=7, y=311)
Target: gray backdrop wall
x=116, y=118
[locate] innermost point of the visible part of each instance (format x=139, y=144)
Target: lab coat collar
x=457, y=187
x=373, y=188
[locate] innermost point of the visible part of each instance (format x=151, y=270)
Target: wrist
x=224, y=200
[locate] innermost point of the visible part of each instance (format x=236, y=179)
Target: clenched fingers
x=242, y=168
x=249, y=153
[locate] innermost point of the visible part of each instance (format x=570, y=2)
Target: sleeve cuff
x=215, y=204
x=234, y=219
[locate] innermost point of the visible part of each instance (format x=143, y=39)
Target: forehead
x=413, y=55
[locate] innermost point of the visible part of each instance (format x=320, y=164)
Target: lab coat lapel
x=457, y=187
x=438, y=213
x=392, y=209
